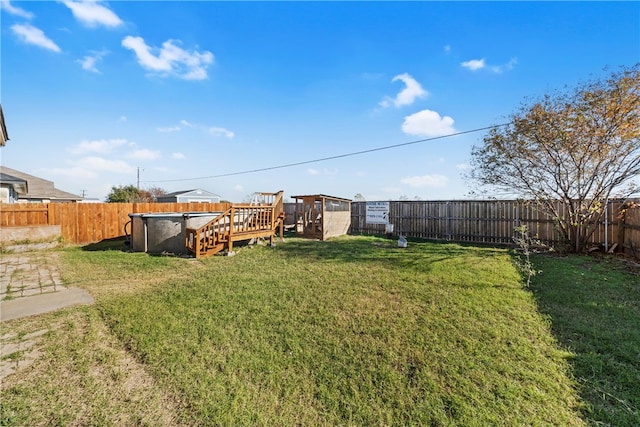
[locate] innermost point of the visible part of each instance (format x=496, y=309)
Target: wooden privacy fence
x=493, y=222
x=90, y=222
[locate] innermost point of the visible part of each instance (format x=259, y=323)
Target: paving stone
x=26, y=345
x=35, y=334
x=9, y=348
x=32, y=274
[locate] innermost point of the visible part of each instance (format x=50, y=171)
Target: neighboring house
x=37, y=189
x=4, y=136
x=189, y=196
x=11, y=188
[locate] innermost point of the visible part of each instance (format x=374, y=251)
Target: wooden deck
x=260, y=219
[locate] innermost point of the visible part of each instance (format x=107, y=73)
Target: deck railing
x=239, y=222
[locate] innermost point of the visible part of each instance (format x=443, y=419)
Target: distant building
x=33, y=189
x=189, y=196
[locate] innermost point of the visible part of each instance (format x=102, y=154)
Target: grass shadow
x=114, y=244
x=594, y=308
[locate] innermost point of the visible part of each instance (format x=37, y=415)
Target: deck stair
x=261, y=218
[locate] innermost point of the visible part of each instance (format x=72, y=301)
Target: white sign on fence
x=377, y=213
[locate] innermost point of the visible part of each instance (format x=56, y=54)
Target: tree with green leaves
x=569, y=152
x=123, y=194
x=132, y=194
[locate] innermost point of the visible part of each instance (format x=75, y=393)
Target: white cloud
x=447, y=49
x=35, y=36
x=122, y=119
x=169, y=129
x=505, y=67
x=464, y=166
x=425, y=181
x=428, y=123
x=178, y=156
x=101, y=146
x=217, y=131
x=144, y=154
x=14, y=10
x=89, y=62
x=474, y=64
x=211, y=130
x=325, y=171
x=406, y=96
x=92, y=14
x=106, y=165
x=479, y=64
x=238, y=187
x=197, y=73
x=145, y=57
x=76, y=172
x=170, y=59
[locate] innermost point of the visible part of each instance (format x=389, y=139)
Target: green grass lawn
x=353, y=331
x=594, y=305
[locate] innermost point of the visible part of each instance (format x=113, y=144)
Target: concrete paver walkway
x=30, y=284
x=43, y=303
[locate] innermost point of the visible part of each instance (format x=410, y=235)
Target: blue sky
x=94, y=92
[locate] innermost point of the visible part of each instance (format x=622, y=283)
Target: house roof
x=322, y=196
x=4, y=136
x=19, y=185
x=39, y=188
x=195, y=192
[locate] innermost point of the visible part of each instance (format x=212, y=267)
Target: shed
x=189, y=196
x=321, y=217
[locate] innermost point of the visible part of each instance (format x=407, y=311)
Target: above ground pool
x=165, y=232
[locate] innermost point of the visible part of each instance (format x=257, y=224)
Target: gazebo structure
x=321, y=217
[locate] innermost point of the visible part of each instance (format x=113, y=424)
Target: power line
x=339, y=156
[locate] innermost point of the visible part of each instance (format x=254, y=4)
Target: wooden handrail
x=240, y=222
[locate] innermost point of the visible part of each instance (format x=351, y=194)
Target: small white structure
x=189, y=196
x=11, y=188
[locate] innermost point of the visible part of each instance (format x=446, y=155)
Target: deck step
x=240, y=222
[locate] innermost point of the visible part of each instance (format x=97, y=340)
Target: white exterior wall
x=8, y=195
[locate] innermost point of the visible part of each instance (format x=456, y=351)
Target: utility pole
x=138, y=182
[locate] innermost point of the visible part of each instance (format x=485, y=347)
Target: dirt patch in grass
x=18, y=351
x=81, y=376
